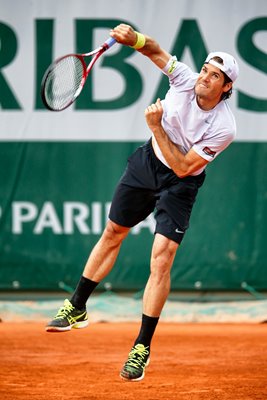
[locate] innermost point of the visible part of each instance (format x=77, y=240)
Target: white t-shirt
x=186, y=124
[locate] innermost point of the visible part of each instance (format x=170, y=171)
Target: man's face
x=210, y=84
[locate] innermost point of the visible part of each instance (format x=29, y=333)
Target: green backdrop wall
x=46, y=186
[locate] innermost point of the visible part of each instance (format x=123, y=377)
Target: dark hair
x=227, y=94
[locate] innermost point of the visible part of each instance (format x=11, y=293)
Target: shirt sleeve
x=209, y=149
x=178, y=72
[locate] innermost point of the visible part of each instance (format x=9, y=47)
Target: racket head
x=63, y=82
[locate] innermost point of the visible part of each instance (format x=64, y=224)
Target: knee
x=163, y=255
x=114, y=232
x=161, y=264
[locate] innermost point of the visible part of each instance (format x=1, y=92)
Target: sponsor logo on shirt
x=209, y=152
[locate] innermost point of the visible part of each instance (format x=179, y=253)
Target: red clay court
x=188, y=362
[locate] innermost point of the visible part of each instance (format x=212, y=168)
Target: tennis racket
x=64, y=79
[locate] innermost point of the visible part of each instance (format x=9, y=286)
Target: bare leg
x=99, y=264
x=105, y=252
x=159, y=282
x=155, y=295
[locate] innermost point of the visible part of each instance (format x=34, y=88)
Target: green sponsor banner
x=55, y=199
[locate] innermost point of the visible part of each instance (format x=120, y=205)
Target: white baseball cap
x=229, y=66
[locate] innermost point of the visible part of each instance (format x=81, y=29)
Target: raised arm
x=181, y=164
x=125, y=35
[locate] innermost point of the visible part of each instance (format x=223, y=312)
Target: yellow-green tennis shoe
x=68, y=317
x=138, y=360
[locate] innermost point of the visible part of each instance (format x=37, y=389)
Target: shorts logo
x=209, y=152
x=178, y=231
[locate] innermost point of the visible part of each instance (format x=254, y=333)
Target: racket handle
x=110, y=42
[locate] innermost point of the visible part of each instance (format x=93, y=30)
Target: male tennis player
x=190, y=128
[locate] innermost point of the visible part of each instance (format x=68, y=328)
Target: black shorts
x=148, y=185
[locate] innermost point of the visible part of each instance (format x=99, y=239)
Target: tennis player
x=189, y=128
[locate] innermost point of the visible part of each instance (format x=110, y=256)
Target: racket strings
x=63, y=82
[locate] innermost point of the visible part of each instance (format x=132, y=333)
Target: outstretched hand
x=153, y=115
x=124, y=34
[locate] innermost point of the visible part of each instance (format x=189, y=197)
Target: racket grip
x=110, y=42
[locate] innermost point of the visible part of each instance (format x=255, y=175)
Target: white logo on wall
x=71, y=218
